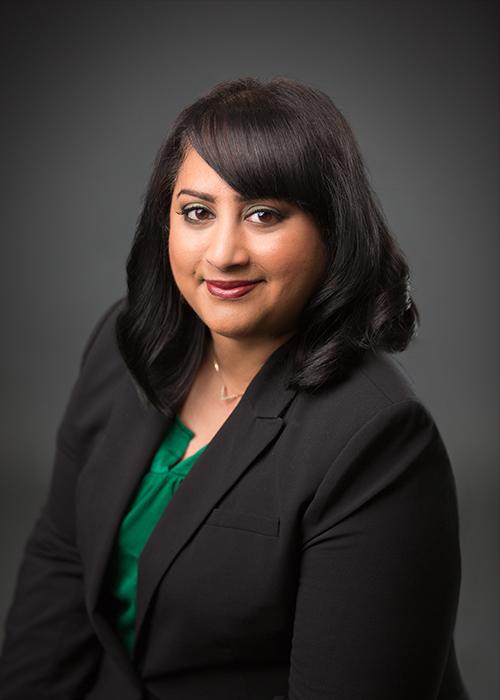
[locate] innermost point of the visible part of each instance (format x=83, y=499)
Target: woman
x=249, y=500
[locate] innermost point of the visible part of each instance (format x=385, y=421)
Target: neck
x=240, y=359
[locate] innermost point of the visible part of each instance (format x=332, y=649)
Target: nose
x=227, y=246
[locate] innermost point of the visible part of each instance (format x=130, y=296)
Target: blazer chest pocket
x=240, y=520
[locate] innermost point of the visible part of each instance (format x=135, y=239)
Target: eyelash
x=187, y=208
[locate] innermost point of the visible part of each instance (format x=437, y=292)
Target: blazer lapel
x=250, y=428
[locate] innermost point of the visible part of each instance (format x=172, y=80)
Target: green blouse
x=155, y=491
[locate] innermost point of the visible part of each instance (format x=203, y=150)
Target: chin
x=234, y=331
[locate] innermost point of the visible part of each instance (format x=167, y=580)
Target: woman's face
x=216, y=237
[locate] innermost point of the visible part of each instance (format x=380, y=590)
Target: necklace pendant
x=226, y=397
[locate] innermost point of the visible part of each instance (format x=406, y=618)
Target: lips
x=230, y=290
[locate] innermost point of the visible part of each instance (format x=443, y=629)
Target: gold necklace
x=223, y=395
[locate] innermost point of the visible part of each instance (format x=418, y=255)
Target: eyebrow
x=211, y=198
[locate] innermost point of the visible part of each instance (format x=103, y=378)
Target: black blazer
x=311, y=553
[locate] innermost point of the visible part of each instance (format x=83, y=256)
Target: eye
x=184, y=212
x=273, y=216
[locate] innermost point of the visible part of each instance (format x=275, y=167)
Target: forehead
x=197, y=178
x=195, y=172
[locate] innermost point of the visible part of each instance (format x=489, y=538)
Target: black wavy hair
x=279, y=139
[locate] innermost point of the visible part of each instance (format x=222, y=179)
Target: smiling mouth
x=231, y=290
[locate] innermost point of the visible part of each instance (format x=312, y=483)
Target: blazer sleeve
x=380, y=566
x=49, y=649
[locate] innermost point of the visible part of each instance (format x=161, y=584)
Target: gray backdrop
x=90, y=89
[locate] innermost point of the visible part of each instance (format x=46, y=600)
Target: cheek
x=182, y=255
x=299, y=262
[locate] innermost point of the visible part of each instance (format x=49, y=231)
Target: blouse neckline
x=168, y=457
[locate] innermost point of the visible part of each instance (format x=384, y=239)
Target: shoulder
x=377, y=401
x=102, y=369
x=377, y=382
x=374, y=432
x=379, y=379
